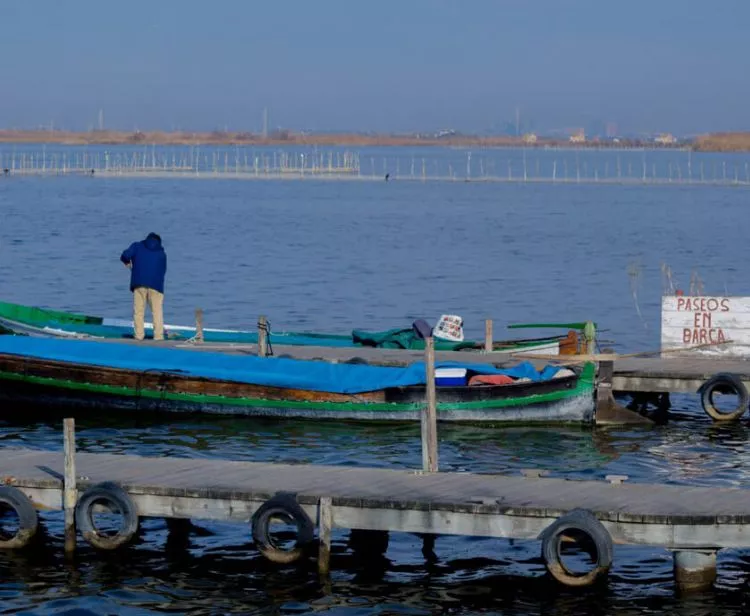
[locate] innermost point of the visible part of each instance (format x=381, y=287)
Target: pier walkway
x=693, y=521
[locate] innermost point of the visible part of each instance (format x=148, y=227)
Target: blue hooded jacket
x=149, y=263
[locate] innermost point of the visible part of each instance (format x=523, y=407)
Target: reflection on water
x=498, y=577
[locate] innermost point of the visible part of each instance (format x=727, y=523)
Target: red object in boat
x=490, y=379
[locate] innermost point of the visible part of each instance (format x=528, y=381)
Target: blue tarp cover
x=269, y=371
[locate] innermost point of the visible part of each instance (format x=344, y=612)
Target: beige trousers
x=142, y=295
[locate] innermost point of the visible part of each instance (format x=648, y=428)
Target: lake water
x=332, y=256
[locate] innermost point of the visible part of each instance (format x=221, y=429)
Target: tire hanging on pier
x=577, y=522
x=114, y=498
x=284, y=507
x=28, y=521
x=724, y=383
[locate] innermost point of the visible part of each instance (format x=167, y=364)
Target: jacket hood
x=152, y=242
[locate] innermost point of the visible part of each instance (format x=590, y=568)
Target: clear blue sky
x=676, y=65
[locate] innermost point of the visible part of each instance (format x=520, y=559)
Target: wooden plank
x=447, y=492
x=70, y=493
x=429, y=412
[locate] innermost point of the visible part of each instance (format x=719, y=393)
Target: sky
x=386, y=66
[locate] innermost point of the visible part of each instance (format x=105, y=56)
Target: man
x=148, y=266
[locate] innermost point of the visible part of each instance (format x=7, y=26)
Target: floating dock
x=694, y=522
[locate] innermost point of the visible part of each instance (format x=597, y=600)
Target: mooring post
x=589, y=334
x=198, y=325
x=604, y=397
x=429, y=413
x=488, y=336
x=262, y=336
x=325, y=524
x=70, y=494
x=694, y=571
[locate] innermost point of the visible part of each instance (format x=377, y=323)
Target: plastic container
x=450, y=377
x=450, y=327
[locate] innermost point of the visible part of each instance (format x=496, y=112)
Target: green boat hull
x=570, y=405
x=29, y=320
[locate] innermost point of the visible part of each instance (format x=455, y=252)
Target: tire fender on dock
x=582, y=522
x=28, y=521
x=113, y=497
x=723, y=383
x=286, y=508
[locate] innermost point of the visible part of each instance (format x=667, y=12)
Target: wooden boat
x=61, y=373
x=33, y=321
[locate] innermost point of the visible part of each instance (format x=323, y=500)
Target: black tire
x=28, y=521
x=583, y=522
x=282, y=506
x=114, y=497
x=724, y=383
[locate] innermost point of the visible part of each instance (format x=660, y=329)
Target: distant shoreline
x=719, y=142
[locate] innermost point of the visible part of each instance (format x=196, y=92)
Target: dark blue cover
x=269, y=371
x=149, y=263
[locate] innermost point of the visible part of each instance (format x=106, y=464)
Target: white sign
x=702, y=325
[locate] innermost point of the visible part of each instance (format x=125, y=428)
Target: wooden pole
x=262, y=336
x=429, y=413
x=589, y=333
x=488, y=336
x=198, y=325
x=70, y=494
x=325, y=525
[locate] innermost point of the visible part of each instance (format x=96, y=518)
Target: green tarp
x=404, y=339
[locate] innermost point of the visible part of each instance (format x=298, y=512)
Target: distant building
x=611, y=130
x=578, y=137
x=665, y=139
x=446, y=132
x=529, y=138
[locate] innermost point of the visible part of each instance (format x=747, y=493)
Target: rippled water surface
x=331, y=256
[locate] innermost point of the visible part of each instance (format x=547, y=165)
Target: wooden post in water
x=429, y=412
x=589, y=334
x=198, y=325
x=488, y=336
x=262, y=336
x=325, y=525
x=70, y=494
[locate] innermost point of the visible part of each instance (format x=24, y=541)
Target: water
x=337, y=255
